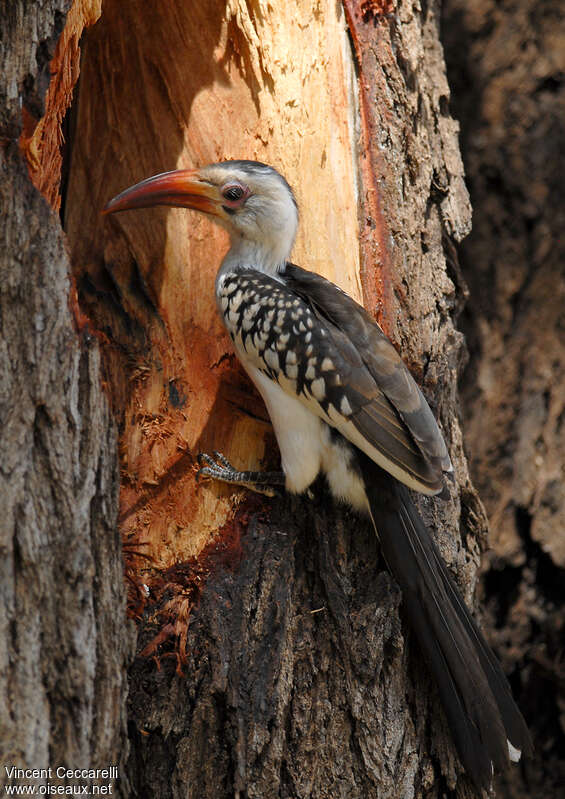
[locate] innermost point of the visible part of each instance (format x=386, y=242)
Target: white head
x=251, y=200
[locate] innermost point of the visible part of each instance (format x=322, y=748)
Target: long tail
x=487, y=727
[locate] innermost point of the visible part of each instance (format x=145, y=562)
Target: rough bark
x=295, y=677
x=507, y=66
x=64, y=640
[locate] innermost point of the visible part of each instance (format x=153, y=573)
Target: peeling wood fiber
x=195, y=84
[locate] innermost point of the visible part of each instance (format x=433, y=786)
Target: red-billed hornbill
x=343, y=404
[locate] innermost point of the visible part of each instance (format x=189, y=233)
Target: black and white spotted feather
x=319, y=345
x=343, y=404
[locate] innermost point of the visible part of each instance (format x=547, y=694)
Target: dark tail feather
x=475, y=694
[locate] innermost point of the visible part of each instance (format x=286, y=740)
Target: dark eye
x=233, y=193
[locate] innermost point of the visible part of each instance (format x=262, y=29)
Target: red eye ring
x=235, y=193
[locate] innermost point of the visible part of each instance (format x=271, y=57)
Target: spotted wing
x=318, y=344
x=380, y=358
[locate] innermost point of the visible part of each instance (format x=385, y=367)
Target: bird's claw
x=215, y=468
x=221, y=458
x=218, y=467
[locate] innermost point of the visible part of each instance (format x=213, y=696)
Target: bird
x=343, y=404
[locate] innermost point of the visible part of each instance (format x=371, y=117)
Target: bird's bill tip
x=182, y=188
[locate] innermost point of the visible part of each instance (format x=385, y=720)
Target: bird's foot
x=219, y=468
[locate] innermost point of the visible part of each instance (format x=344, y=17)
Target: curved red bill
x=181, y=188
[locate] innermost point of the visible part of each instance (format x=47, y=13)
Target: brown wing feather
x=398, y=396
x=304, y=333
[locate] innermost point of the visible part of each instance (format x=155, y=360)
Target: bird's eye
x=233, y=193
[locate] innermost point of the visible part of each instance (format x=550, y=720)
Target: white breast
x=299, y=433
x=307, y=445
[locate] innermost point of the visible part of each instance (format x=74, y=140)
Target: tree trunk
x=64, y=636
x=293, y=678
x=507, y=62
x=272, y=658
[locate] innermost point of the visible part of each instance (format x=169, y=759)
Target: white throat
x=262, y=231
x=265, y=256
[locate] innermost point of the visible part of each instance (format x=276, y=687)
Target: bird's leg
x=219, y=468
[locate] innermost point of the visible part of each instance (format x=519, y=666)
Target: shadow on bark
x=507, y=68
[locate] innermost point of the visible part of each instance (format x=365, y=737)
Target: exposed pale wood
x=332, y=710
x=273, y=700
x=199, y=83
x=42, y=139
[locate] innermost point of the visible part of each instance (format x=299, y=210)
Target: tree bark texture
x=507, y=66
x=63, y=631
x=294, y=677
x=272, y=658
